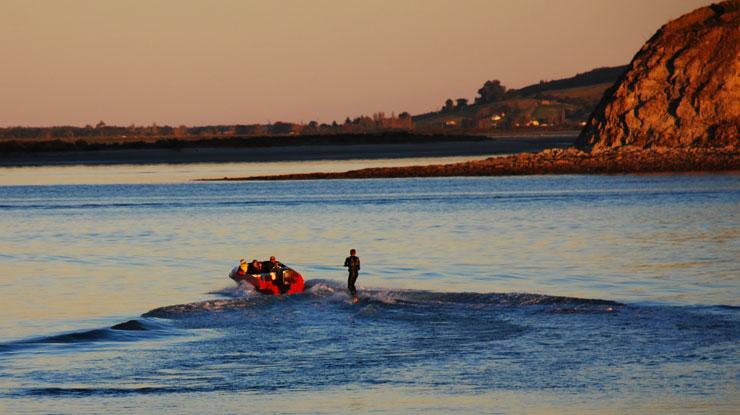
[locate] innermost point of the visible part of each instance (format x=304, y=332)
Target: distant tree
x=461, y=103
x=154, y=129
x=252, y=130
x=181, y=131
x=405, y=121
x=449, y=105
x=365, y=123
x=284, y=128
x=492, y=91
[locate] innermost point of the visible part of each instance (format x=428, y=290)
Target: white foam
x=241, y=290
x=381, y=296
x=322, y=289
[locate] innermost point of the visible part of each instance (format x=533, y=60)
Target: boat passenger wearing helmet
x=240, y=271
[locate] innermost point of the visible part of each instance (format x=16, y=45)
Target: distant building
x=492, y=121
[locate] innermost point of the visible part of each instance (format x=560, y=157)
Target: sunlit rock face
x=682, y=89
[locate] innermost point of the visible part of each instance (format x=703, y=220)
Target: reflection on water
x=402, y=399
x=178, y=173
x=661, y=251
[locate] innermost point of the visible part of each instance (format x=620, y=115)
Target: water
x=559, y=294
x=182, y=172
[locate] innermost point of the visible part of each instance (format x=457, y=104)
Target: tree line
x=378, y=122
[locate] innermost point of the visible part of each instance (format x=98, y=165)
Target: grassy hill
x=607, y=75
x=589, y=92
x=559, y=103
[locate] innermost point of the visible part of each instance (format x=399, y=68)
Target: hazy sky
x=75, y=62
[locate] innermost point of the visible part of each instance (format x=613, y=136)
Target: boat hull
x=286, y=281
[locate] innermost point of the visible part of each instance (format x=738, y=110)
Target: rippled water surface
x=558, y=294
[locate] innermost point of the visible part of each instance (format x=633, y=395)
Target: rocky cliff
x=682, y=89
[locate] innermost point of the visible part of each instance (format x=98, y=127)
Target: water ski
x=355, y=300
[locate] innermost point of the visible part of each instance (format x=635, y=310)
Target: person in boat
x=240, y=271
x=353, y=266
x=273, y=264
x=255, y=267
x=270, y=266
x=275, y=268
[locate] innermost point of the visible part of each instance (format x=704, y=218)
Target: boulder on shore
x=682, y=89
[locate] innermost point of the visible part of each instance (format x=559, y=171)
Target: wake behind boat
x=269, y=277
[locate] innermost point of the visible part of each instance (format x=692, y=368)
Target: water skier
x=353, y=266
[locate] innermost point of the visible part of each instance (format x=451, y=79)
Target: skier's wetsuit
x=353, y=264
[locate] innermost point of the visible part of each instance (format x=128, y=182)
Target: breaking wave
x=330, y=291
x=242, y=340
x=239, y=305
x=131, y=330
x=318, y=293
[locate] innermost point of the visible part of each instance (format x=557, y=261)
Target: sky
x=193, y=62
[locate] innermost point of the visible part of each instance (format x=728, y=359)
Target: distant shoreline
x=437, y=147
x=551, y=161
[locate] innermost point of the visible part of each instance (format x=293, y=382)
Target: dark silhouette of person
x=275, y=268
x=353, y=266
x=273, y=264
x=255, y=267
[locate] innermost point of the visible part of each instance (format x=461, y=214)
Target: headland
x=552, y=161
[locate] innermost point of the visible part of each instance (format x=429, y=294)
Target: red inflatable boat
x=282, y=280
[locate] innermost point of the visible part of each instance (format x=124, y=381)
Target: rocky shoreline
x=551, y=161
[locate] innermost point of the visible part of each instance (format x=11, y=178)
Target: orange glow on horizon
x=75, y=62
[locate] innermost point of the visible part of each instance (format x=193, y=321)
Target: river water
x=536, y=294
